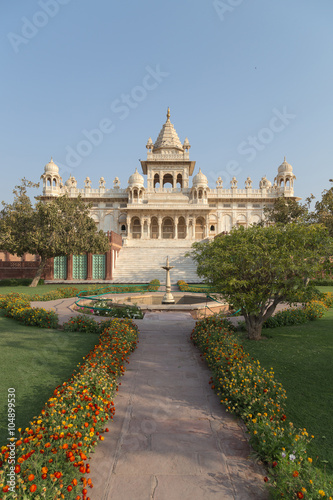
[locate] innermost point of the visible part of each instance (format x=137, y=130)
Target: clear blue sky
x=227, y=70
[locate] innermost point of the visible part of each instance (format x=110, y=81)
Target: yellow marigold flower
x=310, y=460
x=321, y=493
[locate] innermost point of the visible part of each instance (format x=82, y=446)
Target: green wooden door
x=79, y=267
x=98, y=267
x=60, y=268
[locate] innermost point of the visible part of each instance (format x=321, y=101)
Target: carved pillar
x=176, y=228
x=159, y=220
x=148, y=227
x=128, y=224
x=206, y=232
x=89, y=266
x=187, y=223
x=70, y=267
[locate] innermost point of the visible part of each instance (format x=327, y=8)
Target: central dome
x=168, y=137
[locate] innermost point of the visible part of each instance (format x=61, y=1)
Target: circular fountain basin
x=197, y=304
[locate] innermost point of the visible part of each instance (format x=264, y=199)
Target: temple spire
x=168, y=115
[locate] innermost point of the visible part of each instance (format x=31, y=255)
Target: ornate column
x=148, y=226
x=159, y=220
x=176, y=228
x=128, y=224
x=187, y=224
x=206, y=232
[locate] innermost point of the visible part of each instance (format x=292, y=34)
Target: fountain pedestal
x=168, y=297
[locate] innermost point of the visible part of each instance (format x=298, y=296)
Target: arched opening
x=212, y=228
x=123, y=228
x=200, y=194
x=255, y=219
x=154, y=228
x=136, y=228
x=54, y=182
x=241, y=220
x=135, y=194
x=168, y=180
x=167, y=228
x=226, y=223
x=281, y=182
x=199, y=228
x=49, y=181
x=181, y=228
x=179, y=182
x=287, y=185
x=156, y=181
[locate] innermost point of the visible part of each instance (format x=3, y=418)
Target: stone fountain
x=168, y=297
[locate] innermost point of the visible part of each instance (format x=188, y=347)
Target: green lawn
x=40, y=290
x=33, y=362
x=301, y=357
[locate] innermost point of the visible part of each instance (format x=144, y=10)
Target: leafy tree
x=286, y=210
x=257, y=268
x=61, y=226
x=324, y=209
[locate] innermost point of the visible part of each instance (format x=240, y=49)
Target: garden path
x=170, y=438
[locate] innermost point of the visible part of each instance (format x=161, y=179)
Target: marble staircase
x=141, y=264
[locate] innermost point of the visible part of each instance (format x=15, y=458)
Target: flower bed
x=53, y=451
x=18, y=308
x=251, y=392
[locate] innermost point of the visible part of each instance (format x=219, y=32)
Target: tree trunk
x=39, y=272
x=254, y=326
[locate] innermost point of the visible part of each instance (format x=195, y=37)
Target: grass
x=40, y=290
x=301, y=357
x=33, y=362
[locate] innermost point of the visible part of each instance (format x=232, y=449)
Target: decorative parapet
x=168, y=156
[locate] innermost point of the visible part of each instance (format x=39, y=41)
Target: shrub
x=315, y=310
x=81, y=323
x=154, y=285
x=53, y=451
x=37, y=317
x=17, y=306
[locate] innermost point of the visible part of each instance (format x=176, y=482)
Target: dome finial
x=284, y=159
x=168, y=114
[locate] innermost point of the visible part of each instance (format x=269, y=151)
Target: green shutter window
x=79, y=267
x=98, y=267
x=60, y=267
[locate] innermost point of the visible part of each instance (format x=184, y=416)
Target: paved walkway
x=170, y=438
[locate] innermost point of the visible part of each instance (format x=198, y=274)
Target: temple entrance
x=199, y=229
x=181, y=228
x=168, y=228
x=154, y=228
x=136, y=228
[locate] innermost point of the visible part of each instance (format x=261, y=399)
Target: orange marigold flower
x=295, y=473
x=31, y=477
x=33, y=488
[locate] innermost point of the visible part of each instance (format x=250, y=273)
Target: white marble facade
x=170, y=206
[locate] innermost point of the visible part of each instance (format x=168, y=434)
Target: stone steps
x=141, y=265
